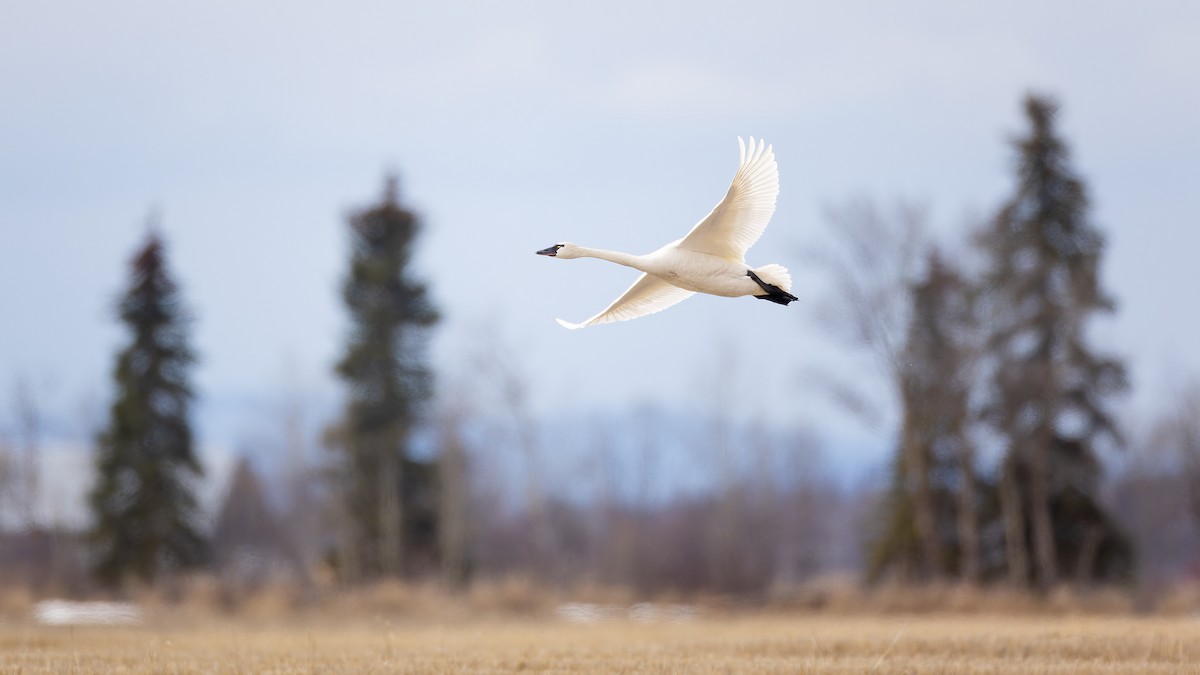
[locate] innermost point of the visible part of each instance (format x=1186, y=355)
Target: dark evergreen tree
x=929, y=526
x=391, y=498
x=143, y=504
x=1049, y=390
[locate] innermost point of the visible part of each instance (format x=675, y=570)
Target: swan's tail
x=776, y=275
x=775, y=282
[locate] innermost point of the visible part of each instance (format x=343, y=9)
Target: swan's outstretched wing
x=739, y=220
x=647, y=295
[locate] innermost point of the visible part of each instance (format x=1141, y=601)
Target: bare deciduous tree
x=874, y=261
x=1178, y=433
x=454, y=517
x=939, y=371
x=29, y=425
x=8, y=477
x=307, y=492
x=503, y=382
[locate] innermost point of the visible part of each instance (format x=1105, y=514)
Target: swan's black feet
x=777, y=299
x=773, y=293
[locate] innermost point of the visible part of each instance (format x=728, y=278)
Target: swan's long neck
x=627, y=259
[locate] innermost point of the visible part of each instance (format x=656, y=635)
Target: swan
x=709, y=259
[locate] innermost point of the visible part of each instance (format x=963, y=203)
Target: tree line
x=1006, y=411
x=988, y=355
x=143, y=504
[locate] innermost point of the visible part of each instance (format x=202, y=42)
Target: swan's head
x=565, y=250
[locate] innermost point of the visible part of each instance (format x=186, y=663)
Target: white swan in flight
x=711, y=258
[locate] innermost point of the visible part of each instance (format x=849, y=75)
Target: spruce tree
x=391, y=498
x=143, y=504
x=1050, y=391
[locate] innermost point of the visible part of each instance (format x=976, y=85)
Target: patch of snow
x=71, y=613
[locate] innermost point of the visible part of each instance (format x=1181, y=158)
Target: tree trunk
x=722, y=549
x=1014, y=523
x=1087, y=555
x=1042, y=525
x=923, y=511
x=391, y=520
x=968, y=518
x=1045, y=395
x=1190, y=448
x=350, y=538
x=452, y=510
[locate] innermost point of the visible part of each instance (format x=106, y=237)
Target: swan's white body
x=711, y=258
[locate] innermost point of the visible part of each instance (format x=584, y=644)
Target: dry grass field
x=730, y=643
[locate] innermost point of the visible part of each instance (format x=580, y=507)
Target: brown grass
x=832, y=626
x=730, y=643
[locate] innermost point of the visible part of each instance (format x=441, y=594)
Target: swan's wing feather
x=739, y=220
x=647, y=295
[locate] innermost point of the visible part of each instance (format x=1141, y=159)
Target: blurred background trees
x=930, y=526
x=250, y=542
x=143, y=505
x=1003, y=356
x=999, y=410
x=1176, y=435
x=1050, y=392
x=390, y=495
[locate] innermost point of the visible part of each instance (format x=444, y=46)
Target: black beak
x=552, y=251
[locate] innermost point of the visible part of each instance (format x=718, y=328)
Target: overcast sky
x=252, y=128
